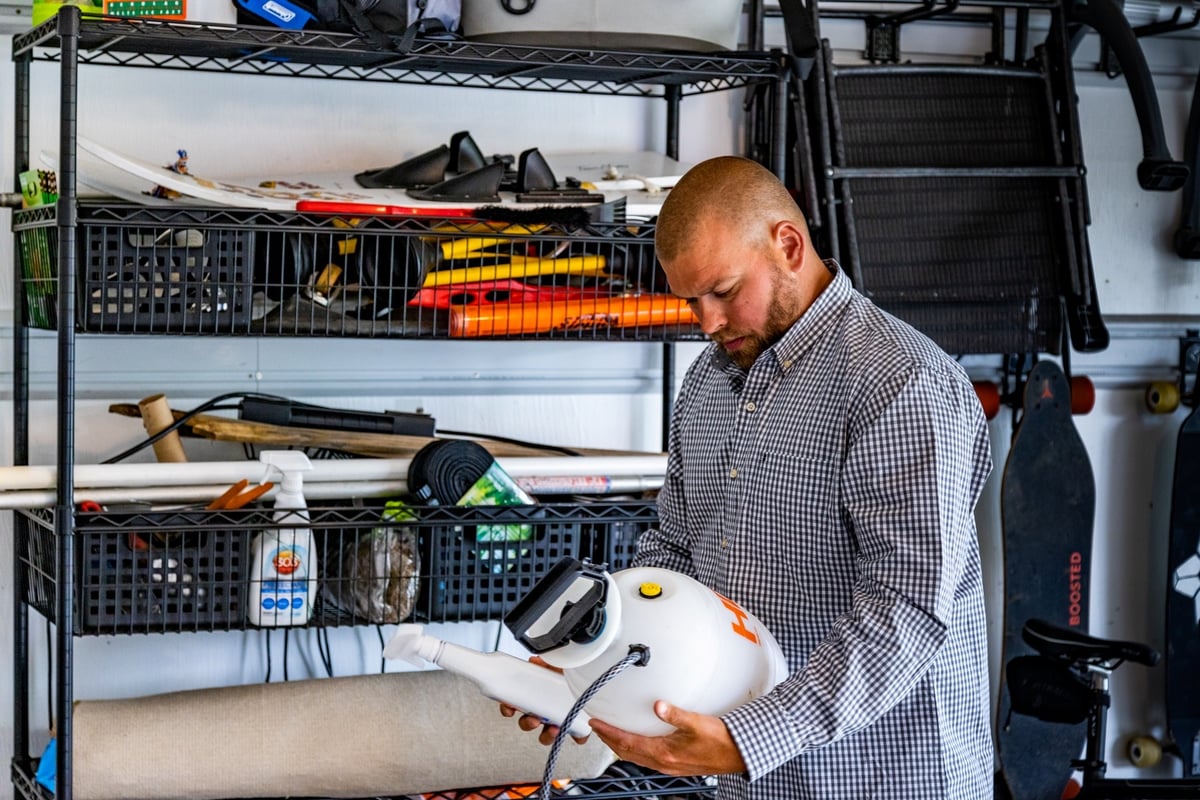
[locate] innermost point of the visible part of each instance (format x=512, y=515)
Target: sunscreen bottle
x=283, y=563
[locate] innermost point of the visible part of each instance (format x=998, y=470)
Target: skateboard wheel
x=1071, y=790
x=989, y=397
x=1144, y=751
x=1162, y=397
x=1083, y=395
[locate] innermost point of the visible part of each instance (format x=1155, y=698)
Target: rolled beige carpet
x=364, y=736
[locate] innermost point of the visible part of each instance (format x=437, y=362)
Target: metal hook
x=1167, y=26
x=513, y=8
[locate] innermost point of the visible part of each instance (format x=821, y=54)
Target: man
x=825, y=460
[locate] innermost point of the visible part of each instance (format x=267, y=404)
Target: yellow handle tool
x=519, y=267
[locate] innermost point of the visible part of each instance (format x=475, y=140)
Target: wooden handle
x=378, y=445
x=156, y=415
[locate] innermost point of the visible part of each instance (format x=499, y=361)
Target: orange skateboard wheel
x=1083, y=395
x=989, y=397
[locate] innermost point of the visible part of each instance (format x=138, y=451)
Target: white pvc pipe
x=313, y=492
x=203, y=494
x=324, y=470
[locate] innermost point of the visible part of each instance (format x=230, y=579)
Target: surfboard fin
x=465, y=155
x=478, y=186
x=425, y=169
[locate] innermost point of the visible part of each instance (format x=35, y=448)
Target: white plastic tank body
x=707, y=654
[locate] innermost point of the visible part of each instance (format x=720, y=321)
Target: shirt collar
x=804, y=332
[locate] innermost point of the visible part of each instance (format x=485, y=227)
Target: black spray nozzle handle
x=580, y=620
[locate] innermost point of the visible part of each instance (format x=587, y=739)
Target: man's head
x=734, y=244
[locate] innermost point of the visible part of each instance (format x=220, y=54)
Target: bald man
x=825, y=460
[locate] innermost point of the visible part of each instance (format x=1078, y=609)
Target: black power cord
x=639, y=655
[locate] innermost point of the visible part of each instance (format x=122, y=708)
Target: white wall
x=601, y=395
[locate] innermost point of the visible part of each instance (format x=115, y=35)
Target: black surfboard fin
x=465, y=155
x=534, y=173
x=479, y=186
x=425, y=169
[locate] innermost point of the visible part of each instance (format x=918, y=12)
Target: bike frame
x=1096, y=786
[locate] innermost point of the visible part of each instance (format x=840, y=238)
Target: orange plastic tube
x=514, y=319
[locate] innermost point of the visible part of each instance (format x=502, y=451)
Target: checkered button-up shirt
x=830, y=490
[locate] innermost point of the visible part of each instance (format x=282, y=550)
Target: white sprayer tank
x=707, y=654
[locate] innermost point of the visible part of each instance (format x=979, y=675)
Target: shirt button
x=750, y=406
x=724, y=544
x=733, y=473
x=787, y=364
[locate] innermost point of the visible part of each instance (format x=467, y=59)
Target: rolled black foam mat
x=441, y=472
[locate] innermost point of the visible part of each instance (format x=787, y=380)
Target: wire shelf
x=258, y=50
x=236, y=272
x=187, y=569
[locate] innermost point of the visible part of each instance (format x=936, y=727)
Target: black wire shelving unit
x=55, y=548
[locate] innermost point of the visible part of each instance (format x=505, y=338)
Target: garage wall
x=599, y=395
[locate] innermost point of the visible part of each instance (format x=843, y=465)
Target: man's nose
x=709, y=314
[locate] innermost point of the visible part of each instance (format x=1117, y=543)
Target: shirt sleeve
x=669, y=546
x=912, y=475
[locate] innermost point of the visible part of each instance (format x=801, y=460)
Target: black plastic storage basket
x=479, y=562
x=157, y=271
x=154, y=579
x=141, y=270
x=147, y=572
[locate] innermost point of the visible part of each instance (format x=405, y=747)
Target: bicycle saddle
x=1056, y=641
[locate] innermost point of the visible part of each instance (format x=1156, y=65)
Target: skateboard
x=1183, y=591
x=1047, y=498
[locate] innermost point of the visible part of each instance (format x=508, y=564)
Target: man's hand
x=528, y=722
x=699, y=745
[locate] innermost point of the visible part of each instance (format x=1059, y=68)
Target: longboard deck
x=281, y=192
x=1183, y=598
x=1048, y=498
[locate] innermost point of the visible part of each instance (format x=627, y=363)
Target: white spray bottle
x=283, y=580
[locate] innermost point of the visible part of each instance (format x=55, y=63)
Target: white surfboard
x=640, y=177
x=95, y=178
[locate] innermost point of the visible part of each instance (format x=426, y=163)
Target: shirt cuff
x=765, y=734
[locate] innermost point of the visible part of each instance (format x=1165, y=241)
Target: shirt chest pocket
x=792, y=506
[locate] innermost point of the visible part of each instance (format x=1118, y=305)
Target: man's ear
x=789, y=238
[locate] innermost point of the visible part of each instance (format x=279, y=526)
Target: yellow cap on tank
x=649, y=589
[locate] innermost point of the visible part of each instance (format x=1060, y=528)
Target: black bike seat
x=1056, y=641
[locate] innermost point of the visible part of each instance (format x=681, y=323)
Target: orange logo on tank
x=286, y=562
x=739, y=622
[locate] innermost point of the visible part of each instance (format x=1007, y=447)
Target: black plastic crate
x=160, y=572
x=470, y=570
x=163, y=273
x=141, y=270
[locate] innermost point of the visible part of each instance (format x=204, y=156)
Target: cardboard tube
x=156, y=415
x=356, y=736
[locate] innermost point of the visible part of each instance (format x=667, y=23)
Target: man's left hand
x=699, y=745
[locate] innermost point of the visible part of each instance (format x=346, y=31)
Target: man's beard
x=781, y=315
